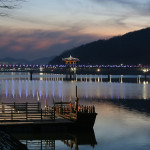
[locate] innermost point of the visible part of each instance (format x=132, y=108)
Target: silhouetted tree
x=8, y=4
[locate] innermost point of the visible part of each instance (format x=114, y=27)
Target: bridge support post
x=121, y=78
x=31, y=75
x=70, y=73
x=145, y=77
x=101, y=78
x=70, y=76
x=109, y=77
x=139, y=81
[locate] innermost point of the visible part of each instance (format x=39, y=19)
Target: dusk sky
x=43, y=28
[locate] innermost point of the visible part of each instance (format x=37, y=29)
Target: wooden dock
x=31, y=117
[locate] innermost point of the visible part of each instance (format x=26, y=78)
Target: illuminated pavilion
x=70, y=60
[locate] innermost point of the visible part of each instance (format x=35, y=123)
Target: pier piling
x=145, y=77
x=31, y=73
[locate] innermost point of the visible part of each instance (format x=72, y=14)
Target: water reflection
x=123, y=120
x=70, y=140
x=26, y=90
x=135, y=105
x=118, y=126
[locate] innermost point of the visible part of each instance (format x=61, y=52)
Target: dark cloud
x=37, y=43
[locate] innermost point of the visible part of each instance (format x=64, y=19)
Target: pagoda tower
x=70, y=60
x=70, y=67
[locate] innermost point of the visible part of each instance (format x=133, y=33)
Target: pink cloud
x=37, y=43
x=3, y=43
x=17, y=48
x=40, y=45
x=64, y=41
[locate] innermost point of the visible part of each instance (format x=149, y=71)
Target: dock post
x=76, y=100
x=76, y=91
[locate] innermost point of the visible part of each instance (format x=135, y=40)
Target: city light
x=145, y=70
x=98, y=70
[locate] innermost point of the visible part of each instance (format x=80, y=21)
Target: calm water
x=123, y=120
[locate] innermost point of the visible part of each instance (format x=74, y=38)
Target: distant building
x=70, y=60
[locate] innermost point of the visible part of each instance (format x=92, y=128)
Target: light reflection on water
x=26, y=90
x=120, y=124
x=116, y=127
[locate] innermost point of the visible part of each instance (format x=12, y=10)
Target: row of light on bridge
x=80, y=66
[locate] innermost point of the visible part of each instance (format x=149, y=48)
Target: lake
x=123, y=120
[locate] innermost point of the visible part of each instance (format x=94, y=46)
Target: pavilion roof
x=70, y=59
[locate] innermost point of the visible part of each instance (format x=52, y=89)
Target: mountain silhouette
x=131, y=48
x=41, y=61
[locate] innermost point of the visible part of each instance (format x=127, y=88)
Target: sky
x=44, y=28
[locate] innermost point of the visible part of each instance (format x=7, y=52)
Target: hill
x=42, y=61
x=130, y=48
x=9, y=60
